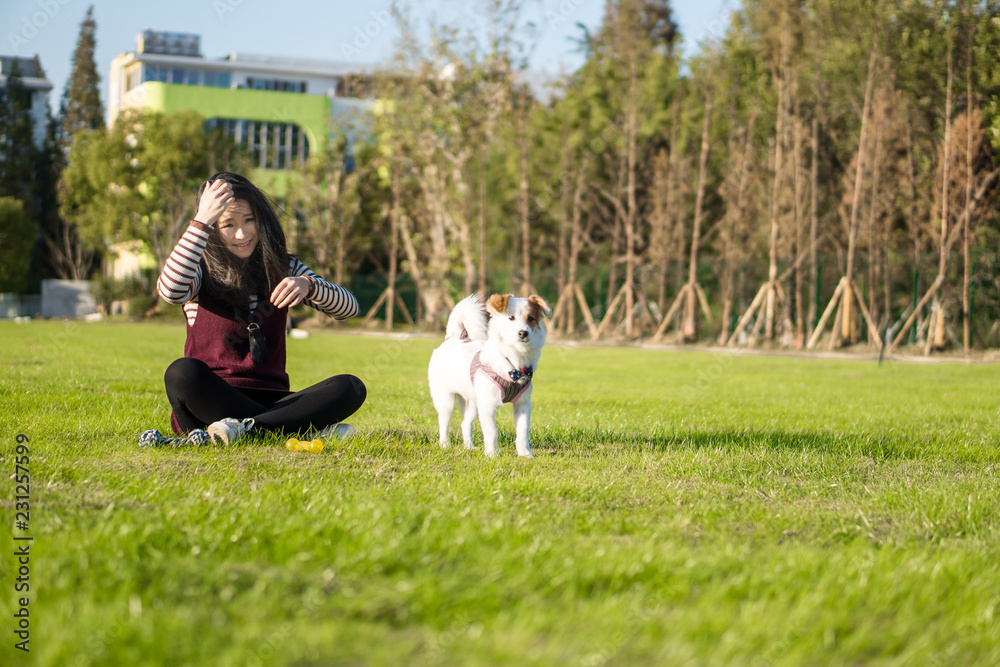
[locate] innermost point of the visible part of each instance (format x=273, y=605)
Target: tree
x=691, y=295
x=630, y=94
x=65, y=252
x=81, y=104
x=62, y=253
x=138, y=180
x=18, y=231
x=23, y=170
x=430, y=129
x=328, y=200
x=846, y=290
x=18, y=152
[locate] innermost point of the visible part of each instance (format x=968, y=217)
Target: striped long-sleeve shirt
x=181, y=280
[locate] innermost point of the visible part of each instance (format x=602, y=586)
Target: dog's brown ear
x=497, y=304
x=541, y=304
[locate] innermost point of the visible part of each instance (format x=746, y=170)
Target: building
x=279, y=109
x=33, y=77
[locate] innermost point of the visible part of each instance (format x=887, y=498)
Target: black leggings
x=200, y=397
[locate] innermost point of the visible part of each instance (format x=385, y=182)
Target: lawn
x=683, y=508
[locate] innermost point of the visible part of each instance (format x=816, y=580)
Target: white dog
x=488, y=356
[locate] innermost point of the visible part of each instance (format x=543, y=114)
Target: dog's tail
x=468, y=320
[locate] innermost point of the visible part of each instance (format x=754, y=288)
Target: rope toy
x=153, y=438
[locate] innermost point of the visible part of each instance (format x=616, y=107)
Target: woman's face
x=238, y=229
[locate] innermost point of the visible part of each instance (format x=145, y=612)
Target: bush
x=17, y=234
x=108, y=290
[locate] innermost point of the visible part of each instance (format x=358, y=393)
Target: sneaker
x=335, y=432
x=229, y=430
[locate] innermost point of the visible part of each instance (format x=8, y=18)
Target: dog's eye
x=511, y=318
x=530, y=318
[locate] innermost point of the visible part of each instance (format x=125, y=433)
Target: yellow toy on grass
x=296, y=445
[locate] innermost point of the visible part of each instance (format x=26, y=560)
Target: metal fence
x=20, y=305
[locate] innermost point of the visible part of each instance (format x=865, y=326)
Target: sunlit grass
x=682, y=508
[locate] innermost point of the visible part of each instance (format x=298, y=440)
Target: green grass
x=682, y=508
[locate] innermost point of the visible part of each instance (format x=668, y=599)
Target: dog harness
x=510, y=387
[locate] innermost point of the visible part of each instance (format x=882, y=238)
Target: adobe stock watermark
x=223, y=7
x=562, y=13
x=710, y=374
x=650, y=608
x=34, y=21
x=363, y=36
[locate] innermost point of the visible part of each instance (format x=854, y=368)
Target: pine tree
x=17, y=147
x=81, y=105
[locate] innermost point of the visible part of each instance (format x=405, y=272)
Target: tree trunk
x=575, y=242
x=939, y=312
x=525, y=210
x=966, y=269
x=914, y=227
x=482, y=220
x=630, y=215
x=800, y=316
x=669, y=213
x=873, y=249
x=564, y=203
x=813, y=228
x=416, y=264
x=390, y=300
x=730, y=219
x=779, y=141
x=689, y=330
x=437, y=262
x=458, y=222
x=848, y=328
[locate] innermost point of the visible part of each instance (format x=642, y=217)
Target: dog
x=489, y=354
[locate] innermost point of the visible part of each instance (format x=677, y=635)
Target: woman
x=233, y=274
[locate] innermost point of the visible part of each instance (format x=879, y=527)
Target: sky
x=361, y=31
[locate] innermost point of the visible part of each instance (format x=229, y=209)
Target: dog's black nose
x=523, y=334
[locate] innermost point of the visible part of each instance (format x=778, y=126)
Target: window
x=185, y=77
x=157, y=73
x=270, y=145
x=133, y=78
x=278, y=85
x=182, y=76
x=216, y=79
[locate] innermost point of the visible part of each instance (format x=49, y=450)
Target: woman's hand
x=290, y=292
x=213, y=202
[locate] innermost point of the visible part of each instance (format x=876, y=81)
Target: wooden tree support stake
x=837, y=301
x=872, y=329
x=761, y=293
x=559, y=313
x=684, y=293
x=610, y=314
x=916, y=311
x=834, y=300
x=382, y=299
x=585, y=309
x=665, y=321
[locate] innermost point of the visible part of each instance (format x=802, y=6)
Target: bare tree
x=844, y=296
x=692, y=295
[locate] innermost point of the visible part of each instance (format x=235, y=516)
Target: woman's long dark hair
x=235, y=280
